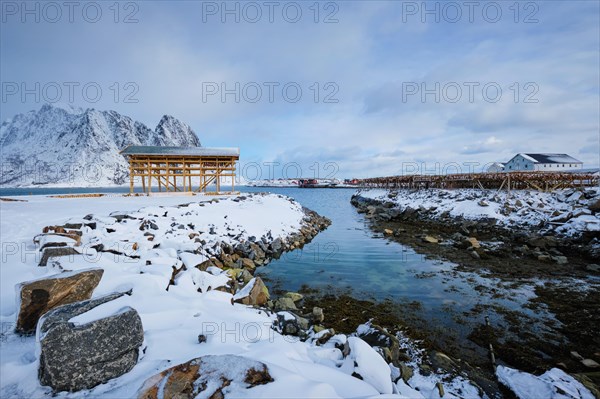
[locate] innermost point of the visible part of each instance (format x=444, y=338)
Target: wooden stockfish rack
x=542, y=181
x=180, y=169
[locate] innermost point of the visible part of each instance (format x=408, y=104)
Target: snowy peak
x=66, y=138
x=170, y=128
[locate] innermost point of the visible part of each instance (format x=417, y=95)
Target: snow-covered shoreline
x=565, y=212
x=139, y=242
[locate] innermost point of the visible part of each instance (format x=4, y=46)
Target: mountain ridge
x=70, y=146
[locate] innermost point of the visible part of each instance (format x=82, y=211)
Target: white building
x=496, y=167
x=543, y=163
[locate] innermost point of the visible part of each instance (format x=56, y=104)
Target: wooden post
x=149, y=171
x=159, y=178
x=168, y=175
x=143, y=175
x=130, y=177
x=232, y=175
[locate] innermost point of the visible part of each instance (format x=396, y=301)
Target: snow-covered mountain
x=64, y=145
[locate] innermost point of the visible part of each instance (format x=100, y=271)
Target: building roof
x=551, y=158
x=182, y=151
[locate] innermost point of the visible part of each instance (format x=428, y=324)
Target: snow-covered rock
x=370, y=365
x=553, y=384
x=565, y=211
x=75, y=147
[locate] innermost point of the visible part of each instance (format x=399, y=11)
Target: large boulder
x=214, y=377
x=253, y=293
x=39, y=296
x=80, y=356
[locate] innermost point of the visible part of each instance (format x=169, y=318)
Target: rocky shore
x=164, y=301
x=552, y=228
x=519, y=242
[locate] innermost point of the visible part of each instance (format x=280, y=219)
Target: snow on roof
x=182, y=151
x=551, y=158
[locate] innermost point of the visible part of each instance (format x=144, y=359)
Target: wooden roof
x=182, y=151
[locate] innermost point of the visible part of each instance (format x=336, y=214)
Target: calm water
x=349, y=256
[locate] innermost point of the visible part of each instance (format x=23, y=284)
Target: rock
x=302, y=322
x=39, y=296
x=53, y=252
x=483, y=203
x=580, y=212
x=576, y=196
x=317, y=328
x=543, y=242
x=248, y=264
x=201, y=338
x=377, y=336
x=406, y=372
x=593, y=268
x=543, y=258
x=474, y=255
x=441, y=361
x=430, y=239
x=75, y=357
x=253, y=293
x=595, y=207
x=317, y=315
x=457, y=237
x=294, y=296
x=576, y=355
x=369, y=365
x=388, y=232
x=214, y=377
x=285, y=303
x=473, y=243
x=440, y=388
x=590, y=363
x=206, y=264
x=323, y=334
x=276, y=245
x=561, y=260
x=291, y=324
x=586, y=381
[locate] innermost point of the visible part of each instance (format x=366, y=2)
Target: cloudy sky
x=348, y=88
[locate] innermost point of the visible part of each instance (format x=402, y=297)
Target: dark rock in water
x=39, y=296
x=208, y=377
x=201, y=338
x=53, y=252
x=75, y=357
x=285, y=303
